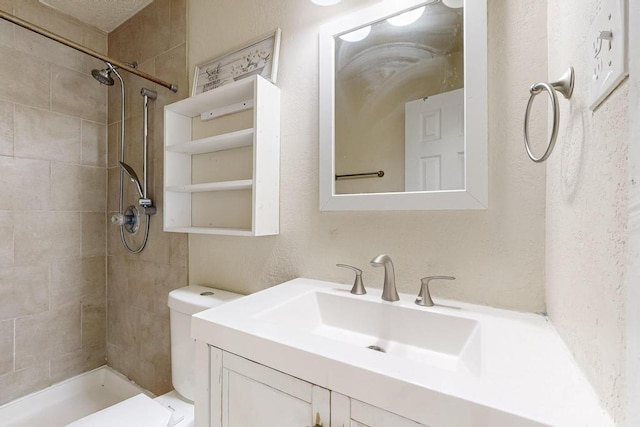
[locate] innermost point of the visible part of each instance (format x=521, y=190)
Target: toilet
x=176, y=407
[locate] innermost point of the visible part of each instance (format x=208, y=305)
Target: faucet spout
x=389, y=292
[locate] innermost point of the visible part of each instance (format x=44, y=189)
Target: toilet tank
x=183, y=303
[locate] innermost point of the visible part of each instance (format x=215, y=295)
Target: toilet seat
x=137, y=411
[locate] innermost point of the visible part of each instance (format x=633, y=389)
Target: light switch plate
x=608, y=50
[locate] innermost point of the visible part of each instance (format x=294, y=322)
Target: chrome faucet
x=389, y=292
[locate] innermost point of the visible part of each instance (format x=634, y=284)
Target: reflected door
x=434, y=142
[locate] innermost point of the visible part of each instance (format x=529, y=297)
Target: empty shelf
x=211, y=230
x=225, y=141
x=243, y=184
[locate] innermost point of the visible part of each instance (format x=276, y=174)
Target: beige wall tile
x=42, y=134
x=133, y=143
x=6, y=128
x=94, y=323
x=178, y=23
x=113, y=136
x=6, y=238
x=77, y=280
x=67, y=84
x=133, y=98
x=138, y=285
x=23, y=381
x=142, y=281
x=94, y=143
x=178, y=249
x=120, y=326
x=96, y=40
x=6, y=347
x=26, y=184
x=122, y=42
x=41, y=47
x=48, y=236
x=6, y=33
x=114, y=113
x=50, y=19
x=75, y=188
x=94, y=234
x=26, y=78
x=23, y=290
x=170, y=66
x=113, y=191
x=153, y=338
x=117, y=278
x=47, y=335
x=77, y=362
x=154, y=20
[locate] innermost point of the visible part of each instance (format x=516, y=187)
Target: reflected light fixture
x=357, y=35
x=406, y=18
x=325, y=2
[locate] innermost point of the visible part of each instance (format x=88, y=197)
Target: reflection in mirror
x=399, y=103
x=403, y=107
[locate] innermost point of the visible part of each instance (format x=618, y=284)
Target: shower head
x=132, y=175
x=103, y=76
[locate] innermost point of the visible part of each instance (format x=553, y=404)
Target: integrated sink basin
x=395, y=329
x=440, y=366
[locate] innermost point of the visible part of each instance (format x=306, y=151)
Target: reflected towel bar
x=378, y=174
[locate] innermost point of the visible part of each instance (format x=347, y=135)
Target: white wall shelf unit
x=263, y=137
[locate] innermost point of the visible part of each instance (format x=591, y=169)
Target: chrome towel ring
x=565, y=86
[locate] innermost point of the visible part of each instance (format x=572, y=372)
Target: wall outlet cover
x=608, y=50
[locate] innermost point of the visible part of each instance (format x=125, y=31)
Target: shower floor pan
x=70, y=400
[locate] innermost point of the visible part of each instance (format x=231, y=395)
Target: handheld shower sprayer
x=134, y=178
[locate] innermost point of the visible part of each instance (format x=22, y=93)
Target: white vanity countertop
x=527, y=375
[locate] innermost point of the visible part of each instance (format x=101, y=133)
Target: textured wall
x=138, y=340
x=632, y=282
x=587, y=211
x=52, y=203
x=497, y=255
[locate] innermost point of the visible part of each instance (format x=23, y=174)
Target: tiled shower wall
x=53, y=183
x=138, y=340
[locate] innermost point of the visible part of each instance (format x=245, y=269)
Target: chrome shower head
x=103, y=76
x=132, y=175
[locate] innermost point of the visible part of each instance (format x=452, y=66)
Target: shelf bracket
x=227, y=109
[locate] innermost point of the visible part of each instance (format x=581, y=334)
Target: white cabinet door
x=347, y=412
x=254, y=395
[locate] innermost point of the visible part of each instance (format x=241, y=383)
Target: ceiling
x=106, y=15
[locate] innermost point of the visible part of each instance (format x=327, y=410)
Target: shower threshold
x=70, y=400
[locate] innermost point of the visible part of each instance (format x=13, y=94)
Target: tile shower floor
x=69, y=400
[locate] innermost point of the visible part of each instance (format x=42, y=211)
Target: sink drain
x=377, y=348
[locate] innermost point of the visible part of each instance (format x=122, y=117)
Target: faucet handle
x=358, y=286
x=424, y=297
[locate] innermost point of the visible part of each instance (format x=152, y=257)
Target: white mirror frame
x=475, y=194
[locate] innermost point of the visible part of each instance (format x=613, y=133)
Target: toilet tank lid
x=194, y=298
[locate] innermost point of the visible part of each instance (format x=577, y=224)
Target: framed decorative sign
x=259, y=56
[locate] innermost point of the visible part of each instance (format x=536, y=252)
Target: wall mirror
x=403, y=107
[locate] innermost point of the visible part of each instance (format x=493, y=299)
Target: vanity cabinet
x=347, y=412
x=222, y=161
x=244, y=393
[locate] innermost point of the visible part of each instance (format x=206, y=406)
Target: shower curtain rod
x=121, y=65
